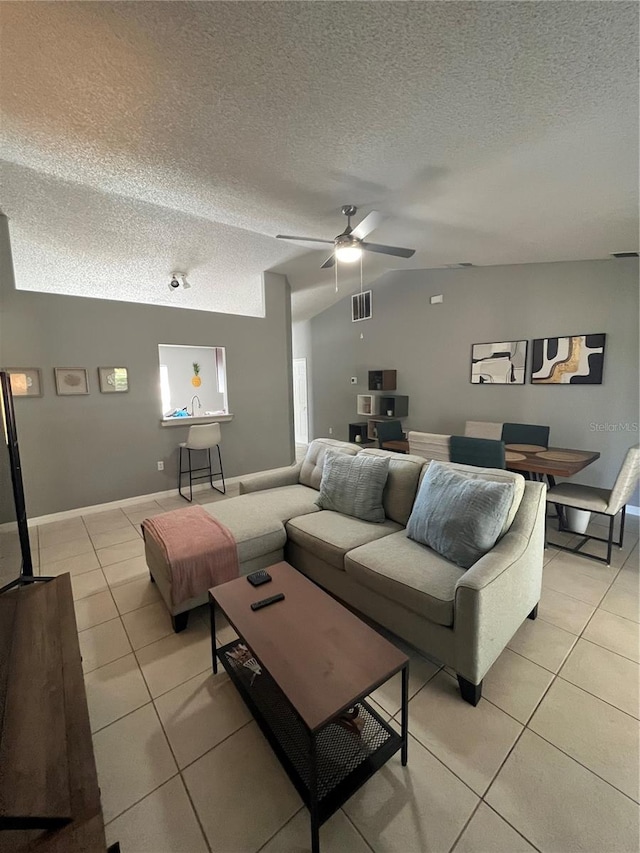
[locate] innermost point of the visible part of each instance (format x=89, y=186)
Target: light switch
x=435, y=300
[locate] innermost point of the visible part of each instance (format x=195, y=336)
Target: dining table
x=534, y=459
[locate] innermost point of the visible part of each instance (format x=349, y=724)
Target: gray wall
x=80, y=451
x=429, y=346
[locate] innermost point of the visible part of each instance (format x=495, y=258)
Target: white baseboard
x=633, y=510
x=90, y=510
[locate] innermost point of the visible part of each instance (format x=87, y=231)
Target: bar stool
x=202, y=437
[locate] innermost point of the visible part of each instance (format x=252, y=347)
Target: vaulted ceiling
x=144, y=138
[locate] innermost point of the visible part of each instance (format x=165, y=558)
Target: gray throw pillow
x=458, y=516
x=354, y=485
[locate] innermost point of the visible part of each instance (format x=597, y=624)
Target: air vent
x=624, y=254
x=361, y=306
x=458, y=265
x=465, y=264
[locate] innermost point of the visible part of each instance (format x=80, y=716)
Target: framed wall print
x=25, y=381
x=571, y=360
x=113, y=379
x=71, y=381
x=498, y=364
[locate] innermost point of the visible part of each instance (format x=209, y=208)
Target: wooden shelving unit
x=382, y=380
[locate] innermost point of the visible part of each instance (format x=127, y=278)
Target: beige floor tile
x=57, y=532
x=126, y=571
x=123, y=551
x=593, y=732
x=138, y=593
x=242, y=770
x=549, y=554
x=614, y=633
x=64, y=550
x=133, y=758
x=389, y=695
x=337, y=835
x=543, y=643
x=472, y=742
x=565, y=612
x=487, y=832
x=563, y=575
x=94, y=610
x=115, y=537
x=102, y=644
x=515, y=685
x=164, y=822
x=89, y=583
x=143, y=506
x=136, y=518
x=558, y=805
x=74, y=565
x=605, y=674
x=169, y=504
x=103, y=522
x=419, y=808
x=173, y=660
x=623, y=599
x=147, y=624
x=200, y=714
x=115, y=690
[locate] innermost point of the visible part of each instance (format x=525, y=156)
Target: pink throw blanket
x=199, y=550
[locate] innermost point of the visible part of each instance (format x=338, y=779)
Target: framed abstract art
x=499, y=363
x=571, y=360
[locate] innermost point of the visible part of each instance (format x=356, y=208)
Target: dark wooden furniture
x=382, y=380
x=49, y=795
x=398, y=446
x=317, y=660
x=358, y=433
x=396, y=404
x=541, y=462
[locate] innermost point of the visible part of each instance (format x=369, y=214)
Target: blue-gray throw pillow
x=460, y=517
x=354, y=485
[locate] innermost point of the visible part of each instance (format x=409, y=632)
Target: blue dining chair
x=526, y=434
x=389, y=431
x=482, y=452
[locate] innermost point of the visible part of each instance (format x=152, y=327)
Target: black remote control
x=258, y=605
x=258, y=578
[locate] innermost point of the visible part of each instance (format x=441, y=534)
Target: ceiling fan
x=350, y=244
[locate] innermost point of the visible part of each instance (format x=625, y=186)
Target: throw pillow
x=458, y=516
x=354, y=485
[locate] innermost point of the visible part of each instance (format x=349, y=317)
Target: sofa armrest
x=288, y=476
x=494, y=597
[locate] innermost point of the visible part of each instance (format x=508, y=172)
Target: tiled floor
x=547, y=761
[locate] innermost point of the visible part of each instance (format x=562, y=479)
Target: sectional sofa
x=463, y=618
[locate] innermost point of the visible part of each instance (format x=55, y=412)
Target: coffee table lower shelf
x=343, y=761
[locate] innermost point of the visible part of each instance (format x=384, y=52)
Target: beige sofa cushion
x=256, y=533
x=409, y=574
x=329, y=535
x=311, y=471
x=402, y=483
x=496, y=475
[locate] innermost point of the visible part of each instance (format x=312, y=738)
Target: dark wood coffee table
x=317, y=660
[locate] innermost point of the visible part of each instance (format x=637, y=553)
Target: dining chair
x=526, y=434
x=483, y=429
x=429, y=445
x=609, y=502
x=201, y=437
x=389, y=431
x=482, y=452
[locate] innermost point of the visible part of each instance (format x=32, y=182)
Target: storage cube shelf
x=367, y=404
x=359, y=433
x=382, y=380
x=394, y=406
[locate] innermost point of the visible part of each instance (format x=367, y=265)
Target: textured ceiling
x=141, y=138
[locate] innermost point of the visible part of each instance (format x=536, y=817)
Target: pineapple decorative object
x=195, y=379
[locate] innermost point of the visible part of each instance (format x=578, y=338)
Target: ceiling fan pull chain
x=362, y=253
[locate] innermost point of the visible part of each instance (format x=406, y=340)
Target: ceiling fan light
x=348, y=254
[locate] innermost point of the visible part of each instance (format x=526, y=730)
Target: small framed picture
x=25, y=381
x=113, y=379
x=71, y=381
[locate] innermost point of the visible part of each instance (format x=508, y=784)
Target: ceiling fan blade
x=305, y=239
x=388, y=250
x=368, y=224
x=329, y=262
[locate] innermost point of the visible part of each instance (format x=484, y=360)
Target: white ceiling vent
x=361, y=306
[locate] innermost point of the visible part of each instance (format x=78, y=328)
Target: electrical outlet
x=160, y=466
x=330, y=430
x=354, y=380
